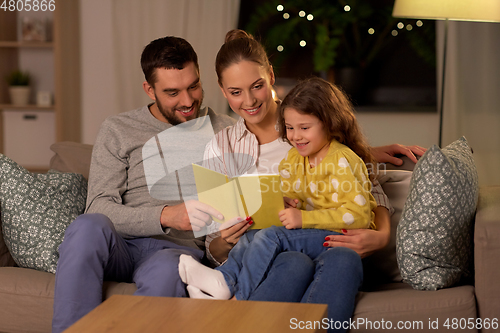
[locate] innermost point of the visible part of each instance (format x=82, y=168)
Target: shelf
x=26, y=44
x=29, y=107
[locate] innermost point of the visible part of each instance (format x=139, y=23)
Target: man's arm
x=387, y=154
x=108, y=181
x=118, y=188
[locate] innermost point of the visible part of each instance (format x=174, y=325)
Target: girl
x=326, y=184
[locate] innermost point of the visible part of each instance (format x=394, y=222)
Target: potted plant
x=19, y=89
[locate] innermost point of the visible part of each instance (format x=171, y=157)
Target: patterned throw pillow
x=35, y=211
x=434, y=236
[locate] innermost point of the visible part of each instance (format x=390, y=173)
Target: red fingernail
x=248, y=219
x=250, y=223
x=325, y=244
x=327, y=238
x=344, y=231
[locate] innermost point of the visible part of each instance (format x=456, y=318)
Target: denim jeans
x=336, y=277
x=251, y=259
x=92, y=251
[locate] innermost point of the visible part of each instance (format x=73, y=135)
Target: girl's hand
x=290, y=203
x=291, y=218
x=385, y=154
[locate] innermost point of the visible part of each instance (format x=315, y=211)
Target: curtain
x=472, y=96
x=203, y=23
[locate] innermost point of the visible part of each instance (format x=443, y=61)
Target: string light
x=394, y=33
x=371, y=31
x=302, y=43
x=302, y=13
x=401, y=25
x=347, y=8
x=310, y=17
x=280, y=48
x=409, y=27
x=286, y=16
x=420, y=23
x=280, y=8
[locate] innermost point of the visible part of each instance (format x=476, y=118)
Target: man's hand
x=291, y=218
x=386, y=154
x=190, y=215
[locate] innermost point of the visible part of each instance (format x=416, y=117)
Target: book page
x=216, y=190
x=263, y=198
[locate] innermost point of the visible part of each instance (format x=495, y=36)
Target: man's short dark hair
x=167, y=52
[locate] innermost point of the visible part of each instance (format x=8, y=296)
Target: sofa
x=386, y=302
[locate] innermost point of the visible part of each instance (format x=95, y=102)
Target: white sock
x=197, y=293
x=208, y=280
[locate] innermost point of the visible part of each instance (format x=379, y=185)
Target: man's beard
x=171, y=115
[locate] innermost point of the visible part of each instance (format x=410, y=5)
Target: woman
x=253, y=145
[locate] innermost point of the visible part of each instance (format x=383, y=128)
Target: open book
x=258, y=196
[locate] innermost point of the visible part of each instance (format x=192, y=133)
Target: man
x=127, y=235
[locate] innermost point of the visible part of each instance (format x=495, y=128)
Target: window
x=380, y=61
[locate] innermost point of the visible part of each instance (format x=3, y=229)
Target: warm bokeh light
x=280, y=8
x=280, y=48
x=302, y=43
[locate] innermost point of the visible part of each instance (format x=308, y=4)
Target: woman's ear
x=223, y=92
x=271, y=75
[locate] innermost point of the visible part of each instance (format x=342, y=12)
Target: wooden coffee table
x=122, y=313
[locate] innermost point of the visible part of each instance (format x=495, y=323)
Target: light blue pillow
x=35, y=211
x=434, y=236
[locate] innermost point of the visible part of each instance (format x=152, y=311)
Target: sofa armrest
x=487, y=252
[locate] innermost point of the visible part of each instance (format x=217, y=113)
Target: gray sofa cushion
x=434, y=236
x=27, y=298
x=36, y=209
x=419, y=310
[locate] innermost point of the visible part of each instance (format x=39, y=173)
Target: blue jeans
x=250, y=260
x=335, y=280
x=92, y=251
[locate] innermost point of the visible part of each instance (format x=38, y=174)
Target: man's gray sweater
x=117, y=181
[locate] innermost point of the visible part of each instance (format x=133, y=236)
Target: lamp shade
x=459, y=10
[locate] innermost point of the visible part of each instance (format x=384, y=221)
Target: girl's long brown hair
x=331, y=106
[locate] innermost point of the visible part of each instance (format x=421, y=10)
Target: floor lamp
x=456, y=10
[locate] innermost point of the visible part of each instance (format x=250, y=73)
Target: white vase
x=19, y=95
